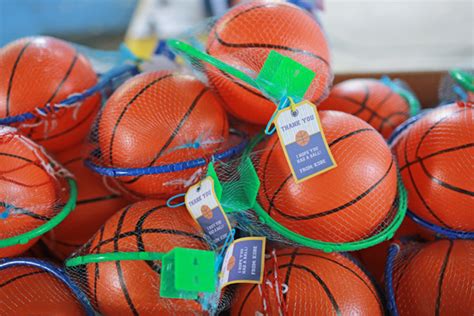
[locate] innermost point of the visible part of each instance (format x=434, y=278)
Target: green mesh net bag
x=149, y=259
x=36, y=193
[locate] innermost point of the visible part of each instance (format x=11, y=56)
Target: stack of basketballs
x=90, y=165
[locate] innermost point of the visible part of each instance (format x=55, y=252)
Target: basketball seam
x=21, y=277
x=10, y=82
x=441, y=278
x=174, y=133
x=447, y=150
x=98, y=199
x=125, y=109
x=416, y=187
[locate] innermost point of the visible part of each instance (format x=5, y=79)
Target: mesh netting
x=384, y=103
x=97, y=200
x=36, y=193
x=301, y=281
x=33, y=287
x=157, y=132
x=50, y=91
x=431, y=279
x=435, y=151
x=121, y=266
x=457, y=85
x=359, y=203
x=230, y=52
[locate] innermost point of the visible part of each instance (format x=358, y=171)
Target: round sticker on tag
x=231, y=263
x=206, y=211
x=302, y=138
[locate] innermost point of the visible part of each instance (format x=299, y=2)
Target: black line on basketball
x=98, y=199
x=125, y=109
x=18, y=277
x=412, y=179
x=139, y=230
x=243, y=86
x=388, y=121
x=344, y=267
x=341, y=207
x=265, y=167
x=123, y=285
x=405, y=264
x=150, y=231
x=441, y=278
x=447, y=150
x=432, y=127
x=10, y=81
x=66, y=76
x=288, y=270
x=263, y=45
x=445, y=184
x=96, y=267
x=323, y=285
x=379, y=105
x=174, y=133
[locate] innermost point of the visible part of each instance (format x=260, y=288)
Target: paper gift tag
x=243, y=261
x=303, y=141
x=201, y=201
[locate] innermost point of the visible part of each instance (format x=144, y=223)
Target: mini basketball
x=348, y=203
x=374, y=258
x=435, y=279
x=95, y=204
x=436, y=159
x=28, y=190
x=27, y=290
x=372, y=101
x=244, y=37
x=156, y=119
x=41, y=71
x=307, y=282
x=133, y=287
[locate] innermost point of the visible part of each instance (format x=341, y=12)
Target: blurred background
x=368, y=37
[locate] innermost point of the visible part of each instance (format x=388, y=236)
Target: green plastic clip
x=463, y=78
x=282, y=76
x=187, y=272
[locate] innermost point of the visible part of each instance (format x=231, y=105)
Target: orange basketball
x=95, y=204
x=436, y=159
x=375, y=257
x=153, y=119
x=309, y=283
x=436, y=279
x=28, y=192
x=244, y=37
x=370, y=100
x=26, y=290
x=38, y=71
x=133, y=287
x=347, y=203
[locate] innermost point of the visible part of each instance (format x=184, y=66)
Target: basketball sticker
x=202, y=202
x=243, y=262
x=303, y=141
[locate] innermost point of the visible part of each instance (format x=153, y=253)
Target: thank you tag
x=243, y=261
x=201, y=201
x=303, y=141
